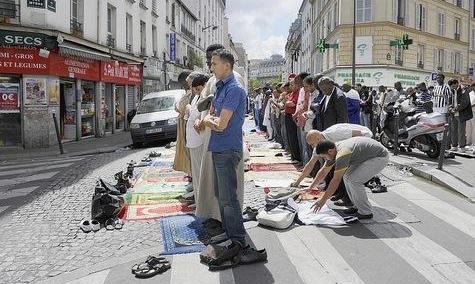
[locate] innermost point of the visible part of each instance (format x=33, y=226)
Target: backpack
x=281, y=217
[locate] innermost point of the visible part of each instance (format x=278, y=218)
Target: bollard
x=443, y=147
x=58, y=136
x=396, y=134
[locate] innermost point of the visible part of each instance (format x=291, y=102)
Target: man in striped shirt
x=441, y=95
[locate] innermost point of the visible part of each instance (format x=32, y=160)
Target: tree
x=254, y=84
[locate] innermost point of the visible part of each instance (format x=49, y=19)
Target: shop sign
x=27, y=39
x=387, y=77
x=364, y=50
x=120, y=73
x=22, y=61
x=74, y=68
x=35, y=91
x=51, y=5
x=35, y=3
x=9, y=96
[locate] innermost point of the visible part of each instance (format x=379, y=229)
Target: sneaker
x=85, y=226
x=454, y=149
x=95, y=225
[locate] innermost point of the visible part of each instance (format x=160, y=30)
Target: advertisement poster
x=9, y=96
x=364, y=50
x=52, y=5
x=172, y=46
x=35, y=91
x=53, y=91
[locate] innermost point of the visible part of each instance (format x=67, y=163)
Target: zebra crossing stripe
x=314, y=257
x=187, y=266
x=17, y=192
x=34, y=170
x=423, y=254
x=442, y=210
x=38, y=163
x=96, y=278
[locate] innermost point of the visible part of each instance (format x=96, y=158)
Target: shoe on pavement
x=350, y=210
x=454, y=149
x=363, y=217
x=335, y=198
x=343, y=203
x=95, y=225
x=85, y=226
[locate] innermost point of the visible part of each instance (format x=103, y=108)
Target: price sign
x=9, y=99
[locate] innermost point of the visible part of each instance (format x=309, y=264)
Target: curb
x=98, y=267
x=441, y=178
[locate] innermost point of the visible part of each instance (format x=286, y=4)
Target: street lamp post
x=214, y=27
x=353, y=64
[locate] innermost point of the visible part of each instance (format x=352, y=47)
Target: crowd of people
x=289, y=110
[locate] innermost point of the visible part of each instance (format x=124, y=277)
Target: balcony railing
x=132, y=1
x=9, y=12
x=110, y=41
x=76, y=28
x=143, y=51
x=398, y=62
x=188, y=33
x=457, y=36
x=128, y=46
x=400, y=21
x=420, y=65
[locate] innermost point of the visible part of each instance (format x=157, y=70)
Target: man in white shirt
x=335, y=133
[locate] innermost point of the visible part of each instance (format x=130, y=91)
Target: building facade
x=443, y=34
x=88, y=62
x=267, y=70
x=293, y=48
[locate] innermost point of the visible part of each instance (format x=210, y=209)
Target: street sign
x=172, y=46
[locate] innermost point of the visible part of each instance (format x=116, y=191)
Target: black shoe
x=350, y=211
x=362, y=217
x=335, y=198
x=379, y=189
x=343, y=203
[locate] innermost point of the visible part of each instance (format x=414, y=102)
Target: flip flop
x=152, y=270
x=144, y=265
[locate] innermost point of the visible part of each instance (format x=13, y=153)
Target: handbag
x=105, y=205
x=281, y=217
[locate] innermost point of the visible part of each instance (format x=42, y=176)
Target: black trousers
x=291, y=128
x=341, y=191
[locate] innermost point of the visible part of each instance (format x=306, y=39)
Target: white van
x=156, y=118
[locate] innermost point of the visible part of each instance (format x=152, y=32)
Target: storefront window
x=120, y=107
x=68, y=110
x=10, y=116
x=106, y=108
x=88, y=110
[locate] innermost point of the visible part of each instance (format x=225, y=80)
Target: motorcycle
x=423, y=131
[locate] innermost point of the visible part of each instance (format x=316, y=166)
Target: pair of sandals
x=113, y=224
x=151, y=267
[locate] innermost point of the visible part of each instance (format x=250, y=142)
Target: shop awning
x=74, y=50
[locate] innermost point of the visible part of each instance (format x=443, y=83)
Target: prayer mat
x=159, y=187
x=251, y=176
x=261, y=167
x=181, y=234
x=270, y=160
x=161, y=163
x=156, y=211
x=153, y=198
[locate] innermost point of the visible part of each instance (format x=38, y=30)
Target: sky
x=261, y=25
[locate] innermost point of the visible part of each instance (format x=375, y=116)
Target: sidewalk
x=457, y=174
x=89, y=146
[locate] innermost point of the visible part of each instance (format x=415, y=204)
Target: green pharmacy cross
x=321, y=46
x=405, y=41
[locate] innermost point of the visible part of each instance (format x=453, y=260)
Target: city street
x=421, y=233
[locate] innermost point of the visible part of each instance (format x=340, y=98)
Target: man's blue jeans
x=225, y=187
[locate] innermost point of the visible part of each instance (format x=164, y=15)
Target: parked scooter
x=423, y=131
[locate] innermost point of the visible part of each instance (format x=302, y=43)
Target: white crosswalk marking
x=314, y=257
x=96, y=278
x=426, y=256
x=3, y=208
x=26, y=179
x=186, y=268
x=450, y=214
x=37, y=163
x=34, y=170
x=17, y=192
